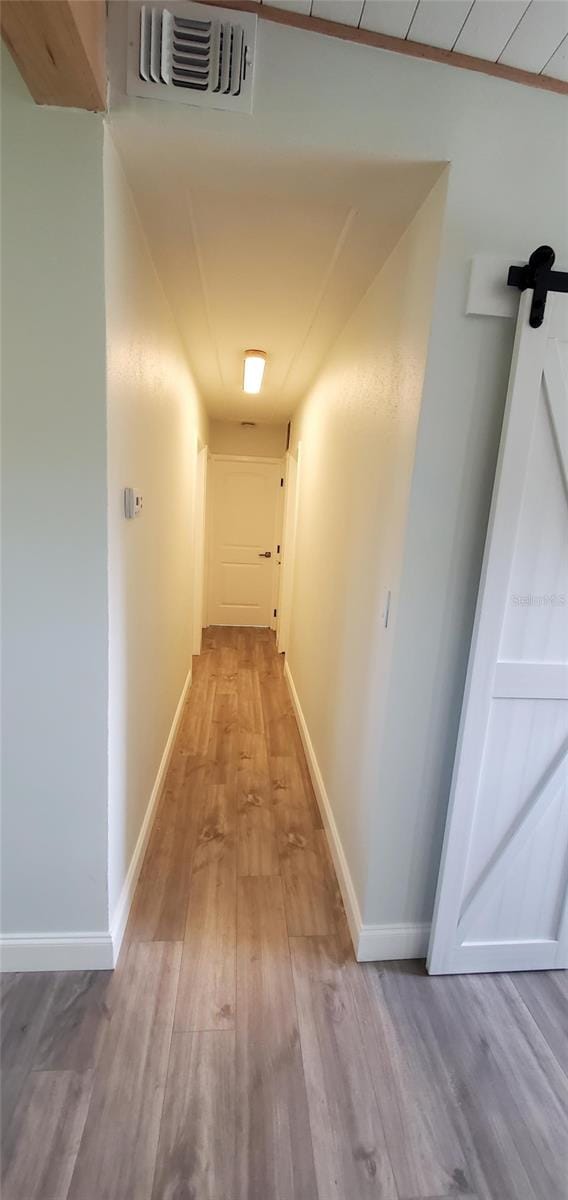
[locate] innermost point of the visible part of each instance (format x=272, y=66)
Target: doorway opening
x=244, y=538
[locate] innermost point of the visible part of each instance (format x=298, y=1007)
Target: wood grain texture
x=279, y=726
x=79, y=1015
x=413, y=1091
x=309, y=794
x=159, y=906
x=545, y=994
x=291, y=811
x=350, y=1150
x=249, y=701
x=206, y=993
x=59, y=49
x=309, y=891
x=224, y=736
x=225, y=665
x=509, y=1094
x=117, y=1155
x=52, y=1112
x=529, y=1077
x=274, y=1148
x=257, y=845
x=417, y=1088
x=196, y=1152
x=26, y=1003
x=196, y=727
x=50, y=1024
x=159, y=909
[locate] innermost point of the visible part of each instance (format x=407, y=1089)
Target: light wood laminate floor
x=238, y=1052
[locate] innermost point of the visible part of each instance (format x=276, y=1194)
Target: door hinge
x=281, y=483
x=278, y=549
x=274, y=612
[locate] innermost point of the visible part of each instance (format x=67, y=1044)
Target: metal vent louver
x=191, y=54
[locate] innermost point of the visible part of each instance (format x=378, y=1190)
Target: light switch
x=132, y=503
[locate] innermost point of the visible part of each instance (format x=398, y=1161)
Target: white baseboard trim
x=380, y=943
x=56, y=952
x=372, y=943
x=352, y=910
x=120, y=916
x=92, y=951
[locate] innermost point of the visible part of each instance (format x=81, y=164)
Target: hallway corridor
x=238, y=1052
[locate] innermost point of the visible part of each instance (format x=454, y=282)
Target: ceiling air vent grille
x=191, y=54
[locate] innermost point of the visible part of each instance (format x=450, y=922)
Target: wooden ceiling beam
x=59, y=49
x=381, y=41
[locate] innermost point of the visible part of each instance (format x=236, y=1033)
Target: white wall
x=54, y=632
x=507, y=194
x=495, y=204
x=97, y=611
x=357, y=429
x=264, y=441
x=155, y=419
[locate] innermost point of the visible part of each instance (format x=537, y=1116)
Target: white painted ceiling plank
x=489, y=26
x=392, y=17
x=346, y=12
x=537, y=36
x=252, y=288
x=557, y=66
x=298, y=6
x=438, y=22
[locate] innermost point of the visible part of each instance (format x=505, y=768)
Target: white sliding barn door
x=502, y=893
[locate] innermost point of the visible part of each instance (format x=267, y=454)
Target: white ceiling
x=271, y=251
x=530, y=34
x=276, y=261
x=254, y=251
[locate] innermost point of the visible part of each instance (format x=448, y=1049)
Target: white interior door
x=502, y=893
x=243, y=536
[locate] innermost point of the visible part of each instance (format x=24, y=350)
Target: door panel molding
x=523, y=827
x=502, y=891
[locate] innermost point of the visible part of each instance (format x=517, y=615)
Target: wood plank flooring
x=238, y=1052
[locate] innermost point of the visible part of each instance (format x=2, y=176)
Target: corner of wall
x=119, y=918
x=155, y=423
x=371, y=943
x=54, y=601
x=345, y=423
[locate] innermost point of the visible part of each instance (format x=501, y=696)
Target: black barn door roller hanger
x=538, y=275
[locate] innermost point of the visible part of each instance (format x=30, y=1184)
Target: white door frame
x=489, y=678
x=288, y=555
x=279, y=535
x=199, y=527
x=244, y=458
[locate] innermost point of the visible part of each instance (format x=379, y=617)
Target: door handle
x=265, y=554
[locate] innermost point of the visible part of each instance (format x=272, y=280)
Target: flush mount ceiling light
x=253, y=371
